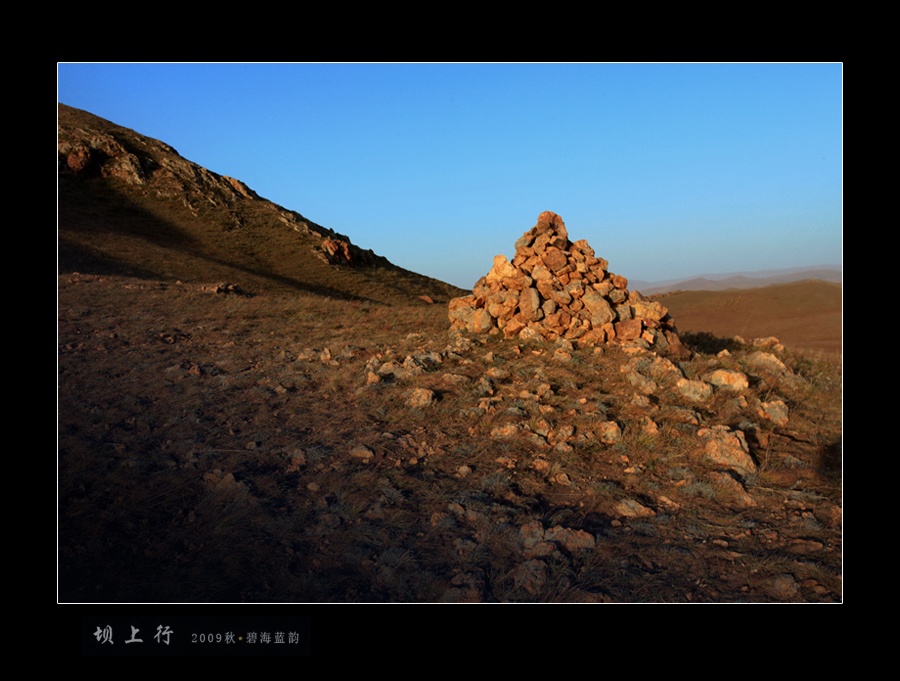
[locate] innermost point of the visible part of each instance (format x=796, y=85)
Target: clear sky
x=669, y=170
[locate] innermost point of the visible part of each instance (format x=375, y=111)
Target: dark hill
x=131, y=205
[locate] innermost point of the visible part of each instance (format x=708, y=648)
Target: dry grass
x=205, y=456
x=807, y=315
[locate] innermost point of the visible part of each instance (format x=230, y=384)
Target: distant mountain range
x=739, y=280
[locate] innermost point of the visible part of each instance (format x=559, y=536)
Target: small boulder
x=418, y=398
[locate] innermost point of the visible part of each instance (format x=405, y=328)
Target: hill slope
x=129, y=204
x=805, y=314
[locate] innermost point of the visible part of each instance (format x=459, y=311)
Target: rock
x=501, y=270
x=560, y=355
x=563, y=433
x=734, y=381
x=362, y=453
x=645, y=370
x=667, y=503
x=540, y=465
x=465, y=588
x=766, y=361
x=533, y=543
x=769, y=343
x=530, y=305
x=79, y=158
x=728, y=448
x=531, y=576
x=339, y=251
x=571, y=540
x=507, y=431
x=784, y=586
x=422, y=361
x=224, y=484
x=455, y=379
x=732, y=491
x=465, y=316
x=649, y=426
x=775, y=411
x=598, y=307
x=418, y=398
x=224, y=288
x=609, y=432
x=629, y=508
x=296, y=460
x=651, y=311
x=630, y=329
x=806, y=546
x=639, y=381
x=695, y=391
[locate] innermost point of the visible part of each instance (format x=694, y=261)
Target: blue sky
x=669, y=170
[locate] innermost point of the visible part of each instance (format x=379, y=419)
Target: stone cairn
x=554, y=289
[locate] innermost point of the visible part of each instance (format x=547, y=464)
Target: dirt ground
x=222, y=448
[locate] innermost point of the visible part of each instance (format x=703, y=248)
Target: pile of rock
x=554, y=288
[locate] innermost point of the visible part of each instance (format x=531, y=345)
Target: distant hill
x=131, y=205
x=741, y=280
x=803, y=314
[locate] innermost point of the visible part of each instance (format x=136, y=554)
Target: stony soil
x=273, y=447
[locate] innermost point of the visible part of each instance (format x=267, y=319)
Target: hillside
x=253, y=409
x=804, y=315
x=132, y=205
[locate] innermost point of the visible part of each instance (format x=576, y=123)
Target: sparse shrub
x=706, y=343
x=820, y=370
x=699, y=488
x=643, y=528
x=681, y=473
x=391, y=494
x=498, y=484
x=605, y=489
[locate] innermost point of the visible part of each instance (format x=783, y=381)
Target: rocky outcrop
x=555, y=288
x=728, y=448
x=338, y=250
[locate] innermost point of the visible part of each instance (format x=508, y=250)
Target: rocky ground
x=220, y=446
